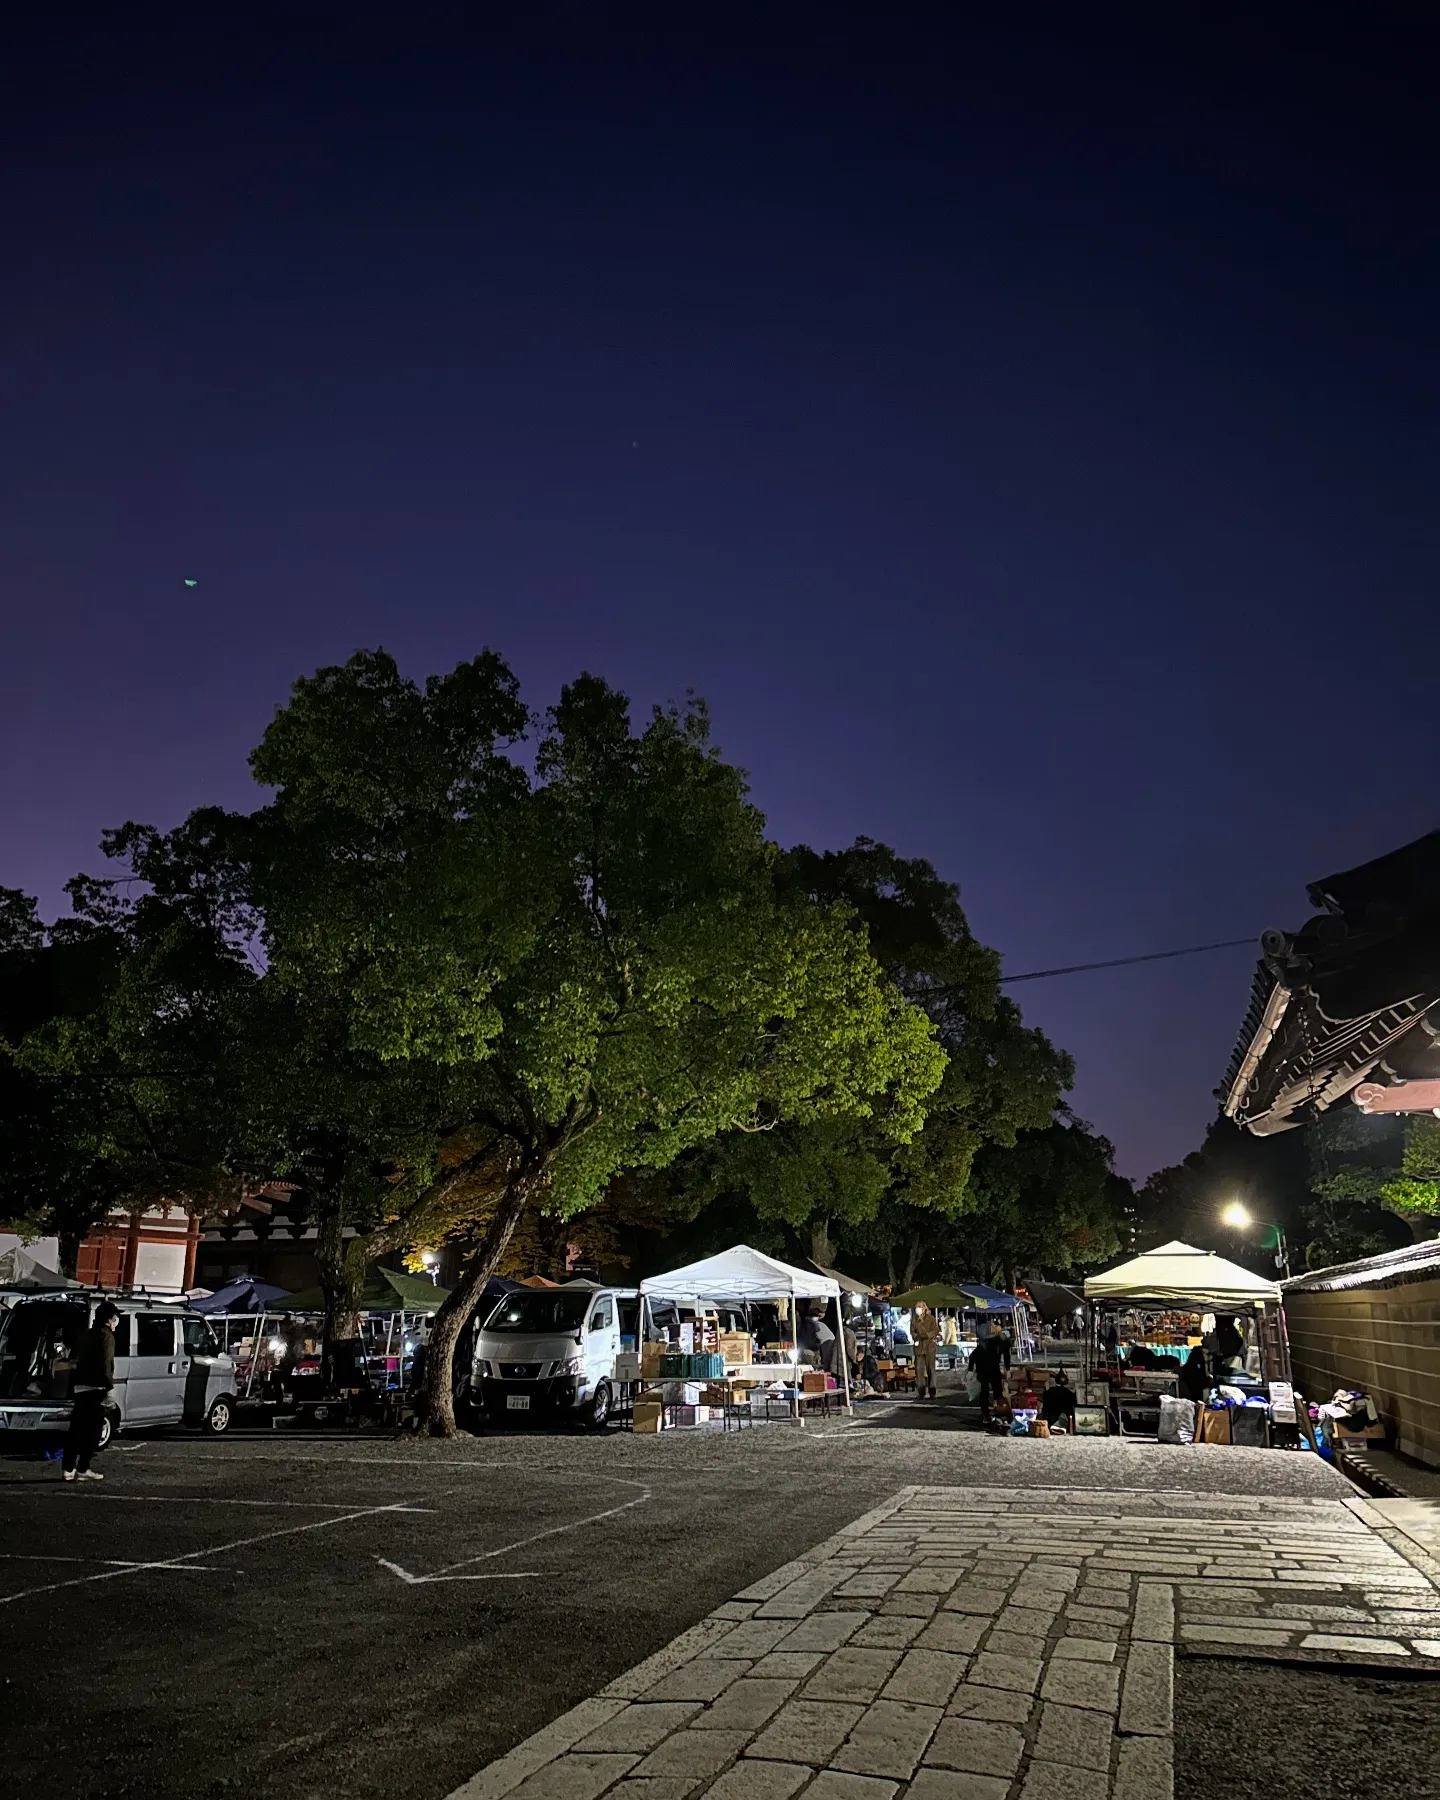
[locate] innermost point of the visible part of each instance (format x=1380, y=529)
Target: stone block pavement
x=986, y=1644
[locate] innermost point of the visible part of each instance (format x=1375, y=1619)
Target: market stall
x=738, y=1283
x=974, y=1304
x=1182, y=1328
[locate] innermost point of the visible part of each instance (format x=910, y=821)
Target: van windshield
x=538, y=1312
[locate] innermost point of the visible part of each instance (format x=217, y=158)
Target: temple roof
x=1353, y=995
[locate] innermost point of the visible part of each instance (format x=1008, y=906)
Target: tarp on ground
x=245, y=1294
x=1179, y=1272
x=385, y=1290
x=740, y=1274
x=19, y=1269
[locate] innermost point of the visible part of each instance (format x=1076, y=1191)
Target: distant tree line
x=512, y=983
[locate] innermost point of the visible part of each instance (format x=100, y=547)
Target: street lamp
x=1239, y=1218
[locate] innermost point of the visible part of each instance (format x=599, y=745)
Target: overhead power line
x=1119, y=962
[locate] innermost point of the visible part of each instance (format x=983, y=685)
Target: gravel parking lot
x=363, y=1617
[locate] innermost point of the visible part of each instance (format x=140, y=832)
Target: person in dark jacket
x=989, y=1359
x=94, y=1380
x=1193, y=1378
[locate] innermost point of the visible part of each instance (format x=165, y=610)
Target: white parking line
x=448, y=1574
x=191, y=1556
x=90, y=1495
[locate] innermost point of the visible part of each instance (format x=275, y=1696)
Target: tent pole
x=843, y=1352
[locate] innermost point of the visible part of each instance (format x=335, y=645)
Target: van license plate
x=518, y=1402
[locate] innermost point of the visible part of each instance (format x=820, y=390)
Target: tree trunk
x=527, y=1183
x=912, y=1261
x=342, y=1269
x=822, y=1245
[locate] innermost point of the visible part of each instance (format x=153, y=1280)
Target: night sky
x=1026, y=440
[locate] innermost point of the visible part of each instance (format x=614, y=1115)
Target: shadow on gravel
x=926, y=1415
x=1277, y=1730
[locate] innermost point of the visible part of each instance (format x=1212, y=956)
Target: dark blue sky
x=1026, y=439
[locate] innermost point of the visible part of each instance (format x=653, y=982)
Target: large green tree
x=842, y=1180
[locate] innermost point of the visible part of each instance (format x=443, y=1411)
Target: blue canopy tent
x=245, y=1294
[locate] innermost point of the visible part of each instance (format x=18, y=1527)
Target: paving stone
x=575, y=1777
x=977, y=1746
x=1051, y=1575
x=929, y=1581
x=1097, y=1615
x=1154, y=1617
x=700, y=1680
x=745, y=1707
x=852, y=1675
x=1354, y=1646
x=989, y=1703
x=806, y=1731
x=888, y=1739
x=1058, y=1781
x=1071, y=1649
x=1038, y=1599
x=1106, y=1578
x=945, y=1784
x=1146, y=1770
x=802, y=1596
x=1147, y=1706
x=1426, y=1646
x=639, y=1728
x=693, y=1753
x=1100, y=1634
x=1027, y=1619
x=910, y=1606
x=868, y=1584
x=830, y=1784
x=1018, y=1673
x=787, y=1665
x=1246, y=1635
x=894, y=1634
x=979, y=1600
x=1069, y=1734
x=952, y=1632
x=1082, y=1684
x=734, y=1609
x=752, y=1780
x=825, y=1631
x=753, y=1637
x=928, y=1677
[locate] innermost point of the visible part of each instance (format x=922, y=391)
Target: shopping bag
x=1177, y=1420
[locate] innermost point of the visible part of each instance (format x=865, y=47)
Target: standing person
x=94, y=1379
x=925, y=1330
x=989, y=1360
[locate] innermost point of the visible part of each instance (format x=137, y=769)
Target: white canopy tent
x=1179, y=1272
x=743, y=1275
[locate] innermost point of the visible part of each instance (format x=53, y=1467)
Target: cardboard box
x=714, y=1396
x=650, y=1359
x=813, y=1381
x=736, y=1348
x=648, y=1414
x=681, y=1393
x=627, y=1366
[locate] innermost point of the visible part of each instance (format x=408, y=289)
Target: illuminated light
x=1237, y=1216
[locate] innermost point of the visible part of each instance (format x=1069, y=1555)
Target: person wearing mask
x=925, y=1331
x=94, y=1380
x=990, y=1359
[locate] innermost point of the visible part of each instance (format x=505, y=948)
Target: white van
x=550, y=1352
x=169, y=1368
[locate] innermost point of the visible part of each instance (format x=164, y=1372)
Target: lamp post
x=1239, y=1218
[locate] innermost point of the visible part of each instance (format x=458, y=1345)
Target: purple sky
x=1026, y=444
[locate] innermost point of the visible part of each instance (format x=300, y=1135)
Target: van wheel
x=221, y=1416
x=598, y=1411
x=107, y=1429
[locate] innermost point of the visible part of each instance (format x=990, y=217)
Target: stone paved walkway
x=985, y=1644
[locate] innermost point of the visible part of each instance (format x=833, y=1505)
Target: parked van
x=551, y=1352
x=169, y=1367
